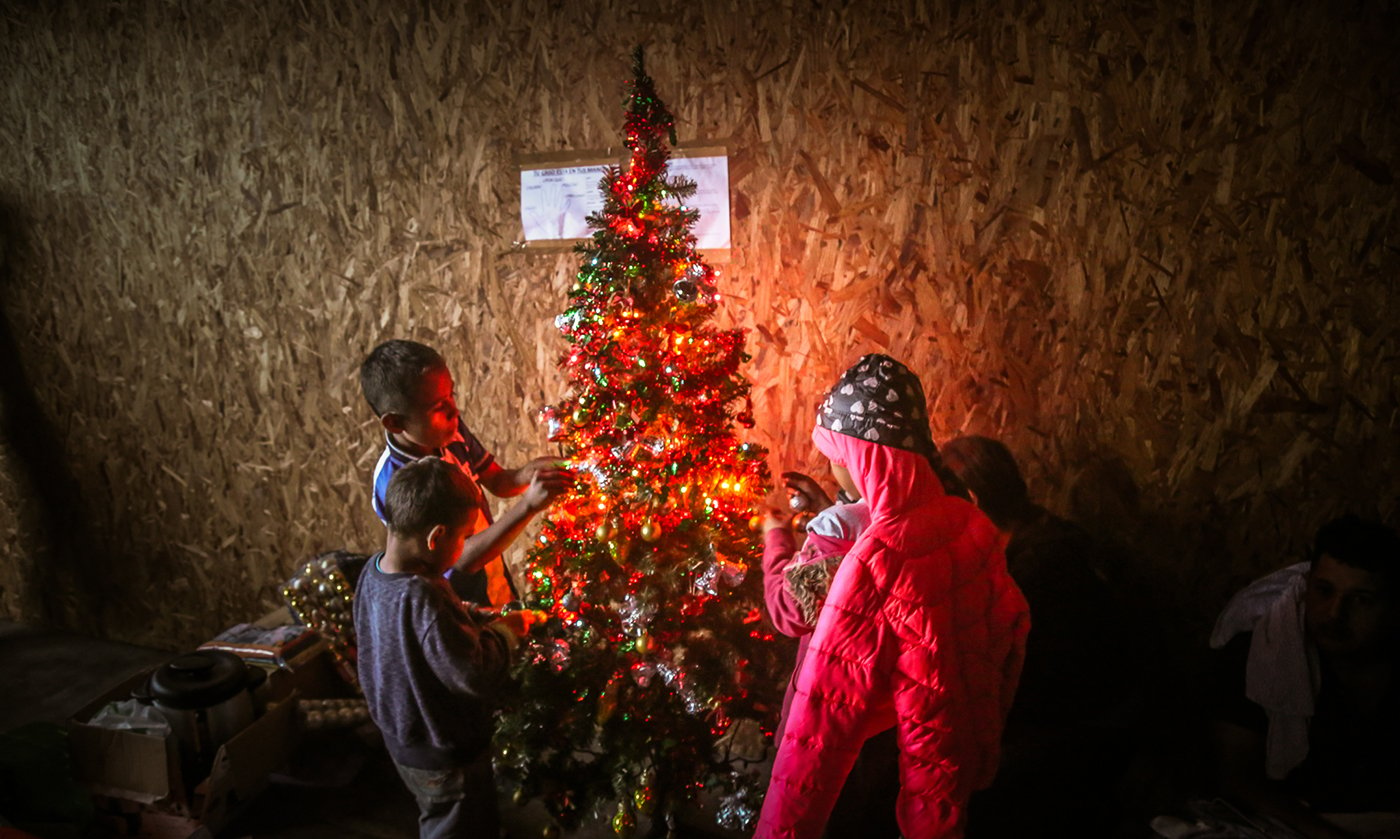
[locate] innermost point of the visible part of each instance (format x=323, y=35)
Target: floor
x=340, y=784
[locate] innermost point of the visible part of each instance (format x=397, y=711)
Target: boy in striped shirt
x=410, y=389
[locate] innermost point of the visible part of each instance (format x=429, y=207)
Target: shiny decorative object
x=321, y=597
x=623, y=821
x=685, y=290
x=644, y=800
x=322, y=714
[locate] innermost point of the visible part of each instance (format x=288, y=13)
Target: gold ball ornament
x=644, y=800
x=520, y=797
x=550, y=831
x=605, y=530
x=756, y=522
x=650, y=531
x=623, y=822
x=581, y=416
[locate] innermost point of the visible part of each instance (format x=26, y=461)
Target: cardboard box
x=144, y=770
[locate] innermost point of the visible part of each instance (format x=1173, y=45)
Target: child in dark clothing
x=428, y=663
x=1069, y=733
x=410, y=389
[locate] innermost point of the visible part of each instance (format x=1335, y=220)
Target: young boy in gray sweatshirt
x=428, y=663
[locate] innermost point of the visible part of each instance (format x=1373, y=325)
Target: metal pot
x=206, y=697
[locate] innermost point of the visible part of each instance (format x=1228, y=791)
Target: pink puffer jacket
x=923, y=627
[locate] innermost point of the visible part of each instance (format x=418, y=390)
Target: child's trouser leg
x=457, y=803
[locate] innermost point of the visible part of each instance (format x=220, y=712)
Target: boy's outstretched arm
x=544, y=487
x=508, y=483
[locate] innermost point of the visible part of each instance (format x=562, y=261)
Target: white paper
x=556, y=202
x=711, y=197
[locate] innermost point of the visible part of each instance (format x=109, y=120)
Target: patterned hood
x=880, y=401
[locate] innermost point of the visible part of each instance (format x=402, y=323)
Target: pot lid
x=199, y=680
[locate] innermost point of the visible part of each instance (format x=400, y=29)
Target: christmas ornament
x=623, y=822
x=642, y=672
x=319, y=596
x=321, y=714
x=737, y=810
x=685, y=290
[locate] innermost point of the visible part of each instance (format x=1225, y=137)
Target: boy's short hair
x=391, y=373
x=426, y=493
x=1367, y=545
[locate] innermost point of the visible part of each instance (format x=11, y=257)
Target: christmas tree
x=656, y=653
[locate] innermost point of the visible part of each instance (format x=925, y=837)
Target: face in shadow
x=1347, y=610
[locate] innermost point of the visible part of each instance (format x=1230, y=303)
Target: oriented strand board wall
x=1149, y=246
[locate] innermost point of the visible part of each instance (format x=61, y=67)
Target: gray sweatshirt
x=428, y=665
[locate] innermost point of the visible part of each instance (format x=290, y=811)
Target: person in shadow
x=1068, y=736
x=1305, y=694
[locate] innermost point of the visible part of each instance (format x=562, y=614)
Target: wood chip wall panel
x=1152, y=247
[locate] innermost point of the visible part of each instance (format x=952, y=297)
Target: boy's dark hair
x=426, y=493
x=1368, y=545
x=391, y=373
x=988, y=469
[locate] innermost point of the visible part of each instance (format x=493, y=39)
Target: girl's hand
x=775, y=519
x=805, y=494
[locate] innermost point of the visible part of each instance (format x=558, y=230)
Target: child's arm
x=779, y=545
x=544, y=487
x=508, y=483
x=469, y=660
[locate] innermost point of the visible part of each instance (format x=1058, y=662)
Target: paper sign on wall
x=555, y=201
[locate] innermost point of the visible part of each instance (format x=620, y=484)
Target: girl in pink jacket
x=795, y=585
x=922, y=628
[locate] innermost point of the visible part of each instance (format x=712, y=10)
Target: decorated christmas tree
x=656, y=657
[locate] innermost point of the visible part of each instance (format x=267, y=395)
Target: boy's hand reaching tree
x=508, y=483
x=547, y=484
x=519, y=621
